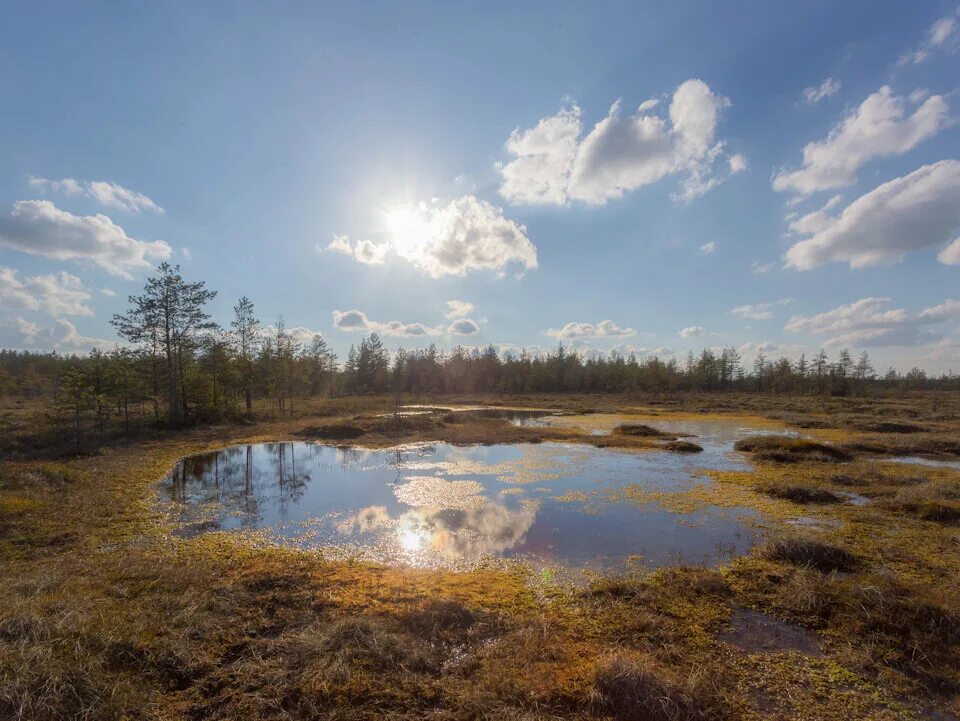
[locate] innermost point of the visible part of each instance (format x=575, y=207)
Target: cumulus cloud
x=868, y=322
x=463, y=326
x=463, y=235
x=737, y=163
x=916, y=211
x=944, y=34
x=356, y=320
x=692, y=331
x=57, y=294
x=603, y=329
x=880, y=126
x=63, y=337
x=38, y=227
x=544, y=156
x=553, y=165
x=951, y=254
x=946, y=310
x=459, y=308
x=815, y=94
x=107, y=194
x=363, y=251
x=758, y=311
x=708, y=248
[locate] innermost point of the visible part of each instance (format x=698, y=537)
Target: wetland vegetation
x=230, y=525
x=117, y=606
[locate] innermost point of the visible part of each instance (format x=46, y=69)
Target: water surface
x=438, y=505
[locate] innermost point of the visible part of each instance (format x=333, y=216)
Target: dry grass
x=638, y=689
x=811, y=553
x=798, y=493
x=104, y=615
x=787, y=449
x=640, y=429
x=683, y=447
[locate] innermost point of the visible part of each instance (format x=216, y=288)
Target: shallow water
x=921, y=461
x=437, y=505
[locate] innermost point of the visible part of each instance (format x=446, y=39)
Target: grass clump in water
x=641, y=430
x=683, y=447
x=810, y=553
x=799, y=494
x=786, y=449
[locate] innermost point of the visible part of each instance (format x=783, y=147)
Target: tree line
x=178, y=366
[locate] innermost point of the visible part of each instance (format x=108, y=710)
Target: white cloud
x=463, y=326
x=57, y=294
x=951, y=254
x=738, y=163
x=363, y=251
x=944, y=34
x=879, y=126
x=864, y=313
x=108, y=292
x=459, y=308
x=63, y=337
x=544, y=156
x=919, y=210
x=759, y=268
x=692, y=331
x=708, y=248
x=106, y=194
x=815, y=94
x=356, y=320
x=947, y=309
x=186, y=254
x=758, y=311
x=38, y=227
x=301, y=334
x=867, y=322
x=463, y=235
x=603, y=329
x=553, y=165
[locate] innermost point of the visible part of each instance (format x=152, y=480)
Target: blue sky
x=609, y=175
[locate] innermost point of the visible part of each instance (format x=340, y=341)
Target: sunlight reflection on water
x=438, y=505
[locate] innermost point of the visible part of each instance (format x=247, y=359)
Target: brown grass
x=638, y=689
x=104, y=615
x=798, y=493
x=787, y=449
x=811, y=553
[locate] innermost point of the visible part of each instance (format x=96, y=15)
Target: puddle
x=756, y=632
x=921, y=461
x=517, y=416
x=438, y=505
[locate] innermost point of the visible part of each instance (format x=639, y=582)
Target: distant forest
x=178, y=366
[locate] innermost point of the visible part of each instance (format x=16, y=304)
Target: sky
x=643, y=177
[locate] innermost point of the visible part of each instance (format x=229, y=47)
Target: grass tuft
x=787, y=449
x=799, y=494
x=810, y=553
x=637, y=689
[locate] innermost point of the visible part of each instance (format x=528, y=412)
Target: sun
x=408, y=229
